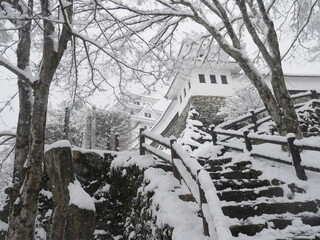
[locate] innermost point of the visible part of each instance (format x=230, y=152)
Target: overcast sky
x=8, y=117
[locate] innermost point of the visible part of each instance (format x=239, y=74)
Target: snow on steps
x=259, y=208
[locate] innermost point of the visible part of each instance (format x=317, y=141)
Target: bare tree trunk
x=279, y=105
x=290, y=123
x=22, y=220
x=290, y=119
x=25, y=111
x=23, y=215
x=266, y=95
x=25, y=107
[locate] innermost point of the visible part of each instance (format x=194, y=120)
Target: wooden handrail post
x=314, y=94
x=296, y=158
x=142, y=141
x=203, y=200
x=213, y=135
x=66, y=122
x=254, y=120
x=116, y=142
x=247, y=141
x=175, y=171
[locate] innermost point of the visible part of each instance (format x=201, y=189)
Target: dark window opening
x=189, y=84
x=224, y=79
x=148, y=115
x=213, y=79
x=180, y=99
x=202, y=78
x=184, y=92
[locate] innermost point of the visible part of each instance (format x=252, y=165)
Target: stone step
x=236, y=166
x=249, y=210
x=213, y=168
x=220, y=168
x=241, y=183
x=252, y=229
x=219, y=161
x=246, y=195
x=248, y=229
x=243, y=163
x=248, y=174
x=301, y=238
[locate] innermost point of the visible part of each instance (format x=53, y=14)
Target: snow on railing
x=249, y=138
x=290, y=140
x=197, y=180
x=254, y=113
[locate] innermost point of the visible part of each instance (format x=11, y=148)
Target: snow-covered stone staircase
x=261, y=209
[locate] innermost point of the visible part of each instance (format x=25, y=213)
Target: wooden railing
x=294, y=146
x=253, y=115
x=197, y=180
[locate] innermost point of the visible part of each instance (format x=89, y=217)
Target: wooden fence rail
x=253, y=114
x=294, y=145
x=196, y=179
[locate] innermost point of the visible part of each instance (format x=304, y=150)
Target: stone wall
x=175, y=128
x=206, y=106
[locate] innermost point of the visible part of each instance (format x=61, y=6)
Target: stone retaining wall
x=206, y=106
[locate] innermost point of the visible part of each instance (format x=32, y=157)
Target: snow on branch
x=25, y=75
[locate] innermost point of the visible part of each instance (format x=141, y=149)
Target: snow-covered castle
x=206, y=86
x=141, y=108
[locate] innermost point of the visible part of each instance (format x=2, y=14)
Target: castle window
x=213, y=79
x=202, y=78
x=189, y=84
x=148, y=115
x=224, y=79
x=136, y=102
x=184, y=92
x=180, y=99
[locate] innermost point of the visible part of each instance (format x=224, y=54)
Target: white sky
x=8, y=118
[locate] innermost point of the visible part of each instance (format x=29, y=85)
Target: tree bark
x=290, y=119
x=22, y=220
x=279, y=104
x=23, y=216
x=25, y=111
x=25, y=107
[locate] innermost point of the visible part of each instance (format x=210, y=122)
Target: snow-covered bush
x=56, y=121
x=309, y=118
x=107, y=125
x=192, y=136
x=244, y=100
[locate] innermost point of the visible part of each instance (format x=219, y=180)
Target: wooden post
x=66, y=123
x=247, y=141
x=254, y=120
x=142, y=141
x=109, y=138
x=203, y=200
x=116, y=142
x=213, y=135
x=314, y=94
x=175, y=171
x=93, y=128
x=296, y=158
